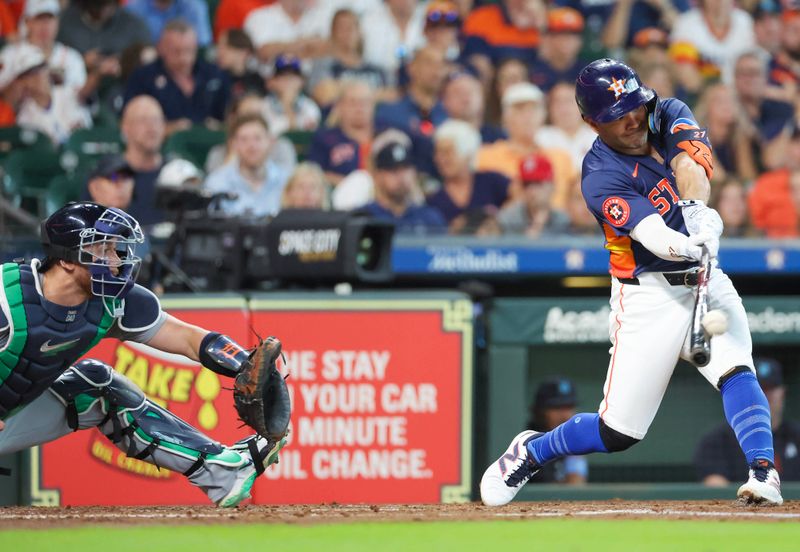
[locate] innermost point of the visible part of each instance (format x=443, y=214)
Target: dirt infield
x=18, y=517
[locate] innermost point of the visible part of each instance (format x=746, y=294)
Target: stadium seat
x=194, y=144
x=16, y=138
x=301, y=140
x=26, y=177
x=86, y=146
x=62, y=189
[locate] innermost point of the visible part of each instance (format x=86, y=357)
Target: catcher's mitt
x=260, y=394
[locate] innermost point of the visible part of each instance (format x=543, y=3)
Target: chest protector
x=40, y=347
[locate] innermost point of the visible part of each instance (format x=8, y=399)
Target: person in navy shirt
x=341, y=149
x=558, y=54
x=395, y=181
x=646, y=181
x=190, y=90
x=420, y=111
x=464, y=192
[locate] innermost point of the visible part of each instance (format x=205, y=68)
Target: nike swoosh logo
x=47, y=348
x=635, y=171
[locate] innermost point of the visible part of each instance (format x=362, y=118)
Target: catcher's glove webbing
x=260, y=394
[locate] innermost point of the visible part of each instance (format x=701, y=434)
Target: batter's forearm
x=691, y=178
x=662, y=241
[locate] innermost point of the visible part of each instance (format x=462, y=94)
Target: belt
x=673, y=278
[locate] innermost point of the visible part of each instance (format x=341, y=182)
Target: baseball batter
x=646, y=180
x=54, y=311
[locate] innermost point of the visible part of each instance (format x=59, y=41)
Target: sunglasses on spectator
x=437, y=17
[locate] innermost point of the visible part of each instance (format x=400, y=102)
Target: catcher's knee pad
x=81, y=386
x=615, y=441
x=130, y=415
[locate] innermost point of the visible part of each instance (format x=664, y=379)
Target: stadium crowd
x=443, y=116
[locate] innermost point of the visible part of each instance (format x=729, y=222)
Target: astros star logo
x=617, y=87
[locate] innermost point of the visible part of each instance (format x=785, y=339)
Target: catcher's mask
x=103, y=239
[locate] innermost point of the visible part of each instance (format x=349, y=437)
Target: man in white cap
x=524, y=113
x=16, y=66
x=50, y=109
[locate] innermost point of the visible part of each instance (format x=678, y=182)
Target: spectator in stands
x=718, y=458
x=729, y=198
x=306, y=189
x=581, y=220
x=50, y=109
x=282, y=152
x=420, y=110
x=730, y=131
x=235, y=57
x=510, y=71
x=231, y=14
x=442, y=29
x=395, y=186
x=344, y=147
x=393, y=31
x=462, y=98
x=297, y=27
x=257, y=182
x=532, y=216
x=774, y=201
x=101, y=30
x=767, y=26
x=660, y=79
x=558, y=52
x=345, y=61
x=649, y=46
x=772, y=119
x=111, y=183
x=65, y=63
x=467, y=198
x=143, y=130
x=554, y=404
x=510, y=28
x=711, y=37
x=190, y=90
x=157, y=13
x=358, y=188
x=785, y=64
x=524, y=114
x=14, y=69
x=649, y=54
x=566, y=129
x=631, y=16
x=286, y=107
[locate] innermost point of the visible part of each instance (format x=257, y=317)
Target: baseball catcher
x=55, y=310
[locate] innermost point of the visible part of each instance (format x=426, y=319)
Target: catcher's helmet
x=82, y=232
x=607, y=89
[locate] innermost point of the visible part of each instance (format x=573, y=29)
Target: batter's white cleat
x=763, y=485
x=503, y=479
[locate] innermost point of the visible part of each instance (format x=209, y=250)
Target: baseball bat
x=700, y=342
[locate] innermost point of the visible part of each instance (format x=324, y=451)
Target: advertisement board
x=382, y=405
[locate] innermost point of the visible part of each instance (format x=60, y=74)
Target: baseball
x=715, y=322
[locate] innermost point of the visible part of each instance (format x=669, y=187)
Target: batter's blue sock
x=578, y=435
x=747, y=411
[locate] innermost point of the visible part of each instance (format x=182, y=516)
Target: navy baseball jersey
x=620, y=190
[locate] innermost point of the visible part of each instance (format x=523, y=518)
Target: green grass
x=556, y=535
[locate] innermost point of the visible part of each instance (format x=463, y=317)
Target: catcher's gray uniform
x=44, y=395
